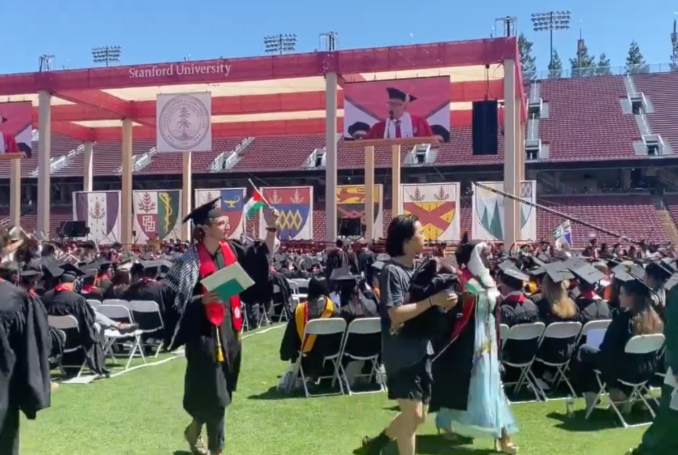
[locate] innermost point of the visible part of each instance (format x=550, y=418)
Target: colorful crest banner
x=101, y=211
x=351, y=205
x=295, y=204
x=488, y=212
x=232, y=203
x=157, y=215
x=437, y=207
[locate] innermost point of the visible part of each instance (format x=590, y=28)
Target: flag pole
x=554, y=212
x=260, y=193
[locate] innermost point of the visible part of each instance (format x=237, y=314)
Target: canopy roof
x=257, y=96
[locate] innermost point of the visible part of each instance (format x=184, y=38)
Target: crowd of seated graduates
x=631, y=295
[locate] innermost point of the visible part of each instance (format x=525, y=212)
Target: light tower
x=280, y=44
x=548, y=22
x=106, y=54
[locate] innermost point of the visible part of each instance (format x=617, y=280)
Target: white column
x=512, y=174
x=186, y=194
x=15, y=193
x=330, y=157
x=44, y=155
x=395, y=180
x=369, y=193
x=126, y=205
x=87, y=174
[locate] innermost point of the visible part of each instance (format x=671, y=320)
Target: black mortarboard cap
x=51, y=267
x=624, y=272
x=70, y=269
x=395, y=94
x=202, y=214
x=342, y=274
x=558, y=272
x=30, y=273
x=9, y=266
x=586, y=272
x=508, y=268
x=636, y=286
x=358, y=126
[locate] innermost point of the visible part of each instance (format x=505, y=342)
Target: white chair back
x=365, y=326
x=119, y=302
x=645, y=344
x=503, y=331
x=116, y=312
x=563, y=330
x=526, y=331
x=63, y=322
x=93, y=303
x=328, y=326
x=143, y=306
x=603, y=324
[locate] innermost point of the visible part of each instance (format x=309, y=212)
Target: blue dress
x=488, y=409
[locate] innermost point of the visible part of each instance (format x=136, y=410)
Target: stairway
x=668, y=225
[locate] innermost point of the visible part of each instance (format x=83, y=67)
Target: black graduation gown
x=592, y=309
x=209, y=384
x=24, y=364
x=513, y=312
x=68, y=303
x=336, y=259
x=555, y=350
x=115, y=292
x=291, y=342
x=365, y=260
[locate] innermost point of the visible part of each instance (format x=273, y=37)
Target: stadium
x=600, y=148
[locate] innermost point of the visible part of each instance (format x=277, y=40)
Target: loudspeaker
x=75, y=229
x=485, y=127
x=350, y=227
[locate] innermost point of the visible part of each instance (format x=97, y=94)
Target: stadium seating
x=585, y=121
x=107, y=159
x=460, y=149
x=172, y=163
x=278, y=153
x=661, y=90
x=61, y=145
x=671, y=203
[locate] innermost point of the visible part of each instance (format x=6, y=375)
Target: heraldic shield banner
x=232, y=204
x=488, y=212
x=101, y=211
x=437, y=207
x=295, y=205
x=157, y=215
x=351, y=206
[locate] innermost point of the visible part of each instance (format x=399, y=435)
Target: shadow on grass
x=274, y=394
x=600, y=419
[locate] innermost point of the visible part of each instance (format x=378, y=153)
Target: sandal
x=505, y=446
x=454, y=438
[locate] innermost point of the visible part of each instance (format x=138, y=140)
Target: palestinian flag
x=255, y=203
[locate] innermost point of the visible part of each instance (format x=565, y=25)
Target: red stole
x=215, y=311
x=87, y=288
x=10, y=144
x=589, y=295
x=515, y=298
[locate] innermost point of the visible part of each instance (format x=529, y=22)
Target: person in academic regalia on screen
x=209, y=328
x=399, y=123
x=24, y=363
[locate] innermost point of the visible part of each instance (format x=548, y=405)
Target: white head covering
x=477, y=267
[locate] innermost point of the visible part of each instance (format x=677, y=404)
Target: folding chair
x=524, y=332
x=245, y=317
x=66, y=324
x=320, y=328
x=503, y=332
x=561, y=331
x=362, y=327
x=284, y=310
x=146, y=314
x=94, y=303
x=296, y=295
x=602, y=324
x=120, y=302
x=638, y=345
x=302, y=287
x=113, y=336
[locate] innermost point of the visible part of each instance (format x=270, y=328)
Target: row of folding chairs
x=337, y=326
x=538, y=332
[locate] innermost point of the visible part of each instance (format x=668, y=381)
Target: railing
x=605, y=71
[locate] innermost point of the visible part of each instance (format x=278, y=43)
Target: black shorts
x=411, y=383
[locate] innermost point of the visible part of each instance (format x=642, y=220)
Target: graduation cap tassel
x=220, y=350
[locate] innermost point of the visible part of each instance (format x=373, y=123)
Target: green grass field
x=140, y=413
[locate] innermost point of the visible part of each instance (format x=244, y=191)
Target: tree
x=555, y=66
x=583, y=64
x=635, y=62
x=674, y=57
x=527, y=60
x=603, y=67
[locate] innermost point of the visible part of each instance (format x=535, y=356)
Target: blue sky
x=169, y=30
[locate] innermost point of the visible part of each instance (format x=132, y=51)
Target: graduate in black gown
x=591, y=306
x=24, y=364
x=211, y=329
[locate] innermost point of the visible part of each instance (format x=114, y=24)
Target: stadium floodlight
x=548, y=22
x=106, y=54
x=280, y=44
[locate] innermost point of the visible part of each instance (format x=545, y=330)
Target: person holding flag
x=209, y=328
x=563, y=235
